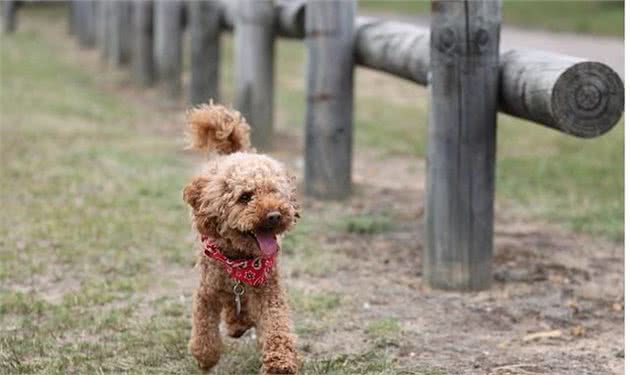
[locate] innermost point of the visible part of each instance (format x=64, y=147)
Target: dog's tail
x=215, y=128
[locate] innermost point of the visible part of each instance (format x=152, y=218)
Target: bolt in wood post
x=168, y=45
x=254, y=67
x=329, y=114
x=205, y=37
x=461, y=144
x=142, y=52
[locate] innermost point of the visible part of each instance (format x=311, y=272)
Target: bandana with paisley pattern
x=249, y=271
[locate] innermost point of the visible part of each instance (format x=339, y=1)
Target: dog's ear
x=194, y=190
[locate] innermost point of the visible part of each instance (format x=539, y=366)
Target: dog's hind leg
x=237, y=325
x=205, y=342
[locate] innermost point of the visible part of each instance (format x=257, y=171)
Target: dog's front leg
x=279, y=355
x=205, y=342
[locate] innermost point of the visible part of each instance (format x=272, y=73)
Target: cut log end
x=587, y=99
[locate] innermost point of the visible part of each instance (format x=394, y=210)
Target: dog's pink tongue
x=267, y=243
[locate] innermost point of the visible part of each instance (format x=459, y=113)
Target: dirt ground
x=556, y=305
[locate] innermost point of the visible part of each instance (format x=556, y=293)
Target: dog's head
x=245, y=200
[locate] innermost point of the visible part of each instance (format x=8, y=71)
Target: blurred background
x=96, y=251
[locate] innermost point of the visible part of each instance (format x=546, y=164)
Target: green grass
x=91, y=208
x=604, y=17
x=365, y=224
x=388, y=327
x=93, y=238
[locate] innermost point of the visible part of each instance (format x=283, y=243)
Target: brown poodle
x=242, y=202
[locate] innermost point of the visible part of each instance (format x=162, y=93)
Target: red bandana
x=250, y=271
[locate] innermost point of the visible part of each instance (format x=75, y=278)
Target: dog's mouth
x=266, y=240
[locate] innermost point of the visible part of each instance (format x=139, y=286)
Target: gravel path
x=608, y=50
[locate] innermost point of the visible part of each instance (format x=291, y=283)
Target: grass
x=603, y=17
x=388, y=327
x=365, y=224
x=91, y=209
x=93, y=241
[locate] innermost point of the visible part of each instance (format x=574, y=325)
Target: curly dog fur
x=230, y=199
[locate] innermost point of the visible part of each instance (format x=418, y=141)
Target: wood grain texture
x=569, y=94
x=86, y=30
x=119, y=32
x=100, y=18
x=142, y=64
x=578, y=97
x=72, y=10
x=205, y=45
x=461, y=144
x=392, y=47
x=168, y=45
x=329, y=113
x=9, y=16
x=254, y=67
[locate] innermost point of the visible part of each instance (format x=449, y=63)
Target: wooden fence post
x=329, y=115
x=461, y=144
x=142, y=52
x=168, y=44
x=119, y=30
x=100, y=23
x=72, y=9
x=254, y=67
x=86, y=30
x=8, y=16
x=205, y=37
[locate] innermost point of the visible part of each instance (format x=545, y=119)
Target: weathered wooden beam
x=578, y=97
x=100, y=23
x=119, y=32
x=575, y=96
x=168, y=44
x=9, y=21
x=397, y=48
x=254, y=67
x=205, y=44
x=86, y=30
x=72, y=9
x=142, y=64
x=329, y=112
x=461, y=144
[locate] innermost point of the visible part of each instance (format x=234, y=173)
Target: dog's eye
x=245, y=197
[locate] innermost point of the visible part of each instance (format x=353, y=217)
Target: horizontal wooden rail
x=569, y=94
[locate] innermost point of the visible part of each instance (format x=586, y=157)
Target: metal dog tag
x=238, y=291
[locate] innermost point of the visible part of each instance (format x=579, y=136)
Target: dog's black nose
x=273, y=217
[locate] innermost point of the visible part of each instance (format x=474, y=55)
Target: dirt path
x=556, y=306
x=609, y=50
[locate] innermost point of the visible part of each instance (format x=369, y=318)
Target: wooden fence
x=458, y=58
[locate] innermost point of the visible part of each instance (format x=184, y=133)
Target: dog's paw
x=280, y=368
x=206, y=355
x=279, y=356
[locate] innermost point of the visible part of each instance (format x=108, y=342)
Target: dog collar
x=253, y=272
